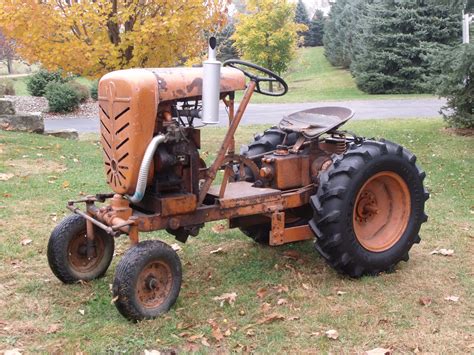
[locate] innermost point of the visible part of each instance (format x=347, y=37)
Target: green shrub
x=456, y=84
x=7, y=87
x=62, y=97
x=83, y=91
x=95, y=90
x=36, y=83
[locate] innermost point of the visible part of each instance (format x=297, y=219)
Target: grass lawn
x=38, y=313
x=312, y=78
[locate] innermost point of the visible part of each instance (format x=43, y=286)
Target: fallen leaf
x=250, y=333
x=53, y=328
x=12, y=352
x=306, y=286
x=81, y=311
x=315, y=334
x=175, y=247
x=219, y=228
x=115, y=299
x=332, y=334
x=226, y=297
x=294, y=318
x=281, y=288
x=7, y=195
x=217, y=251
x=65, y=184
x=444, y=252
x=194, y=337
x=152, y=352
x=262, y=292
x=379, y=351
x=425, y=301
x=26, y=242
x=75, y=160
x=216, y=331
x=341, y=293
x=282, y=301
x=452, y=298
x=5, y=177
x=291, y=254
x=271, y=318
x=227, y=333
x=205, y=342
x=265, y=307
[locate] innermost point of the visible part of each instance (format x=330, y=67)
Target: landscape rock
x=7, y=107
x=63, y=133
x=23, y=122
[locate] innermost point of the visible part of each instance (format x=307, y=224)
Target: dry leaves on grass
x=282, y=301
x=273, y=317
x=332, y=334
x=25, y=242
x=425, y=301
x=216, y=331
x=54, y=328
x=5, y=177
x=443, y=252
x=219, y=228
x=379, y=351
x=15, y=351
x=291, y=254
x=452, y=298
x=262, y=292
x=217, y=251
x=226, y=297
x=176, y=247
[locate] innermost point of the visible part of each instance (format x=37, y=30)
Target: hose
x=145, y=168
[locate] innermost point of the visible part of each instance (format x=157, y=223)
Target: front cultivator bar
x=361, y=200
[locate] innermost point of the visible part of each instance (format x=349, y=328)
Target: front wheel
x=68, y=247
x=369, y=208
x=147, y=280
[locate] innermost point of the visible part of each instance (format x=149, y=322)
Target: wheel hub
x=381, y=211
x=77, y=252
x=154, y=284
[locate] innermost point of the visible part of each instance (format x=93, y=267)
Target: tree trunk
x=10, y=65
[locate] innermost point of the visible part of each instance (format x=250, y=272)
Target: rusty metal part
x=267, y=172
x=281, y=150
x=177, y=204
x=381, y=211
x=243, y=162
x=230, y=104
x=211, y=173
x=289, y=170
x=181, y=83
x=291, y=234
x=127, y=108
x=278, y=228
x=154, y=284
x=319, y=164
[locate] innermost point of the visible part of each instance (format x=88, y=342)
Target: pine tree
x=316, y=29
x=225, y=43
x=301, y=17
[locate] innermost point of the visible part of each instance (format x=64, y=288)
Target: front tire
x=147, y=280
x=67, y=251
x=369, y=208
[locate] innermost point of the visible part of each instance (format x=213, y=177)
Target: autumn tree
x=92, y=37
x=267, y=33
x=7, y=51
x=302, y=17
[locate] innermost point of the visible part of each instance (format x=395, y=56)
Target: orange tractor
x=361, y=200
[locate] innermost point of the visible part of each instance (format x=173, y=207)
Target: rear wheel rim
x=381, y=211
x=77, y=252
x=154, y=284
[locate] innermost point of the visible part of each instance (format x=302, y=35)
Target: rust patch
x=196, y=83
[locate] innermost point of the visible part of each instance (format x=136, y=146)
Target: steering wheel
x=270, y=76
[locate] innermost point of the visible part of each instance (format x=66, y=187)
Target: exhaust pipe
x=211, y=85
x=145, y=168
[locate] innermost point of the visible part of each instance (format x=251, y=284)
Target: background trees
x=267, y=33
x=301, y=17
x=316, y=29
x=7, y=51
x=92, y=37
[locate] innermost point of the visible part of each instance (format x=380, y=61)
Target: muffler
x=211, y=84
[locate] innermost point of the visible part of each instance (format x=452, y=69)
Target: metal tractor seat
x=316, y=121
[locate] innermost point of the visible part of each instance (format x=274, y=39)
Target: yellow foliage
x=267, y=34
x=91, y=37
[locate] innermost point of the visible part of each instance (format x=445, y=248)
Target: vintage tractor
x=361, y=200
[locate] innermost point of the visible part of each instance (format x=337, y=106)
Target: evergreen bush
x=456, y=83
x=83, y=91
x=95, y=90
x=62, y=97
x=36, y=84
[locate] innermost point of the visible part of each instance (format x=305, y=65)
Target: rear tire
x=67, y=251
x=147, y=280
x=369, y=208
